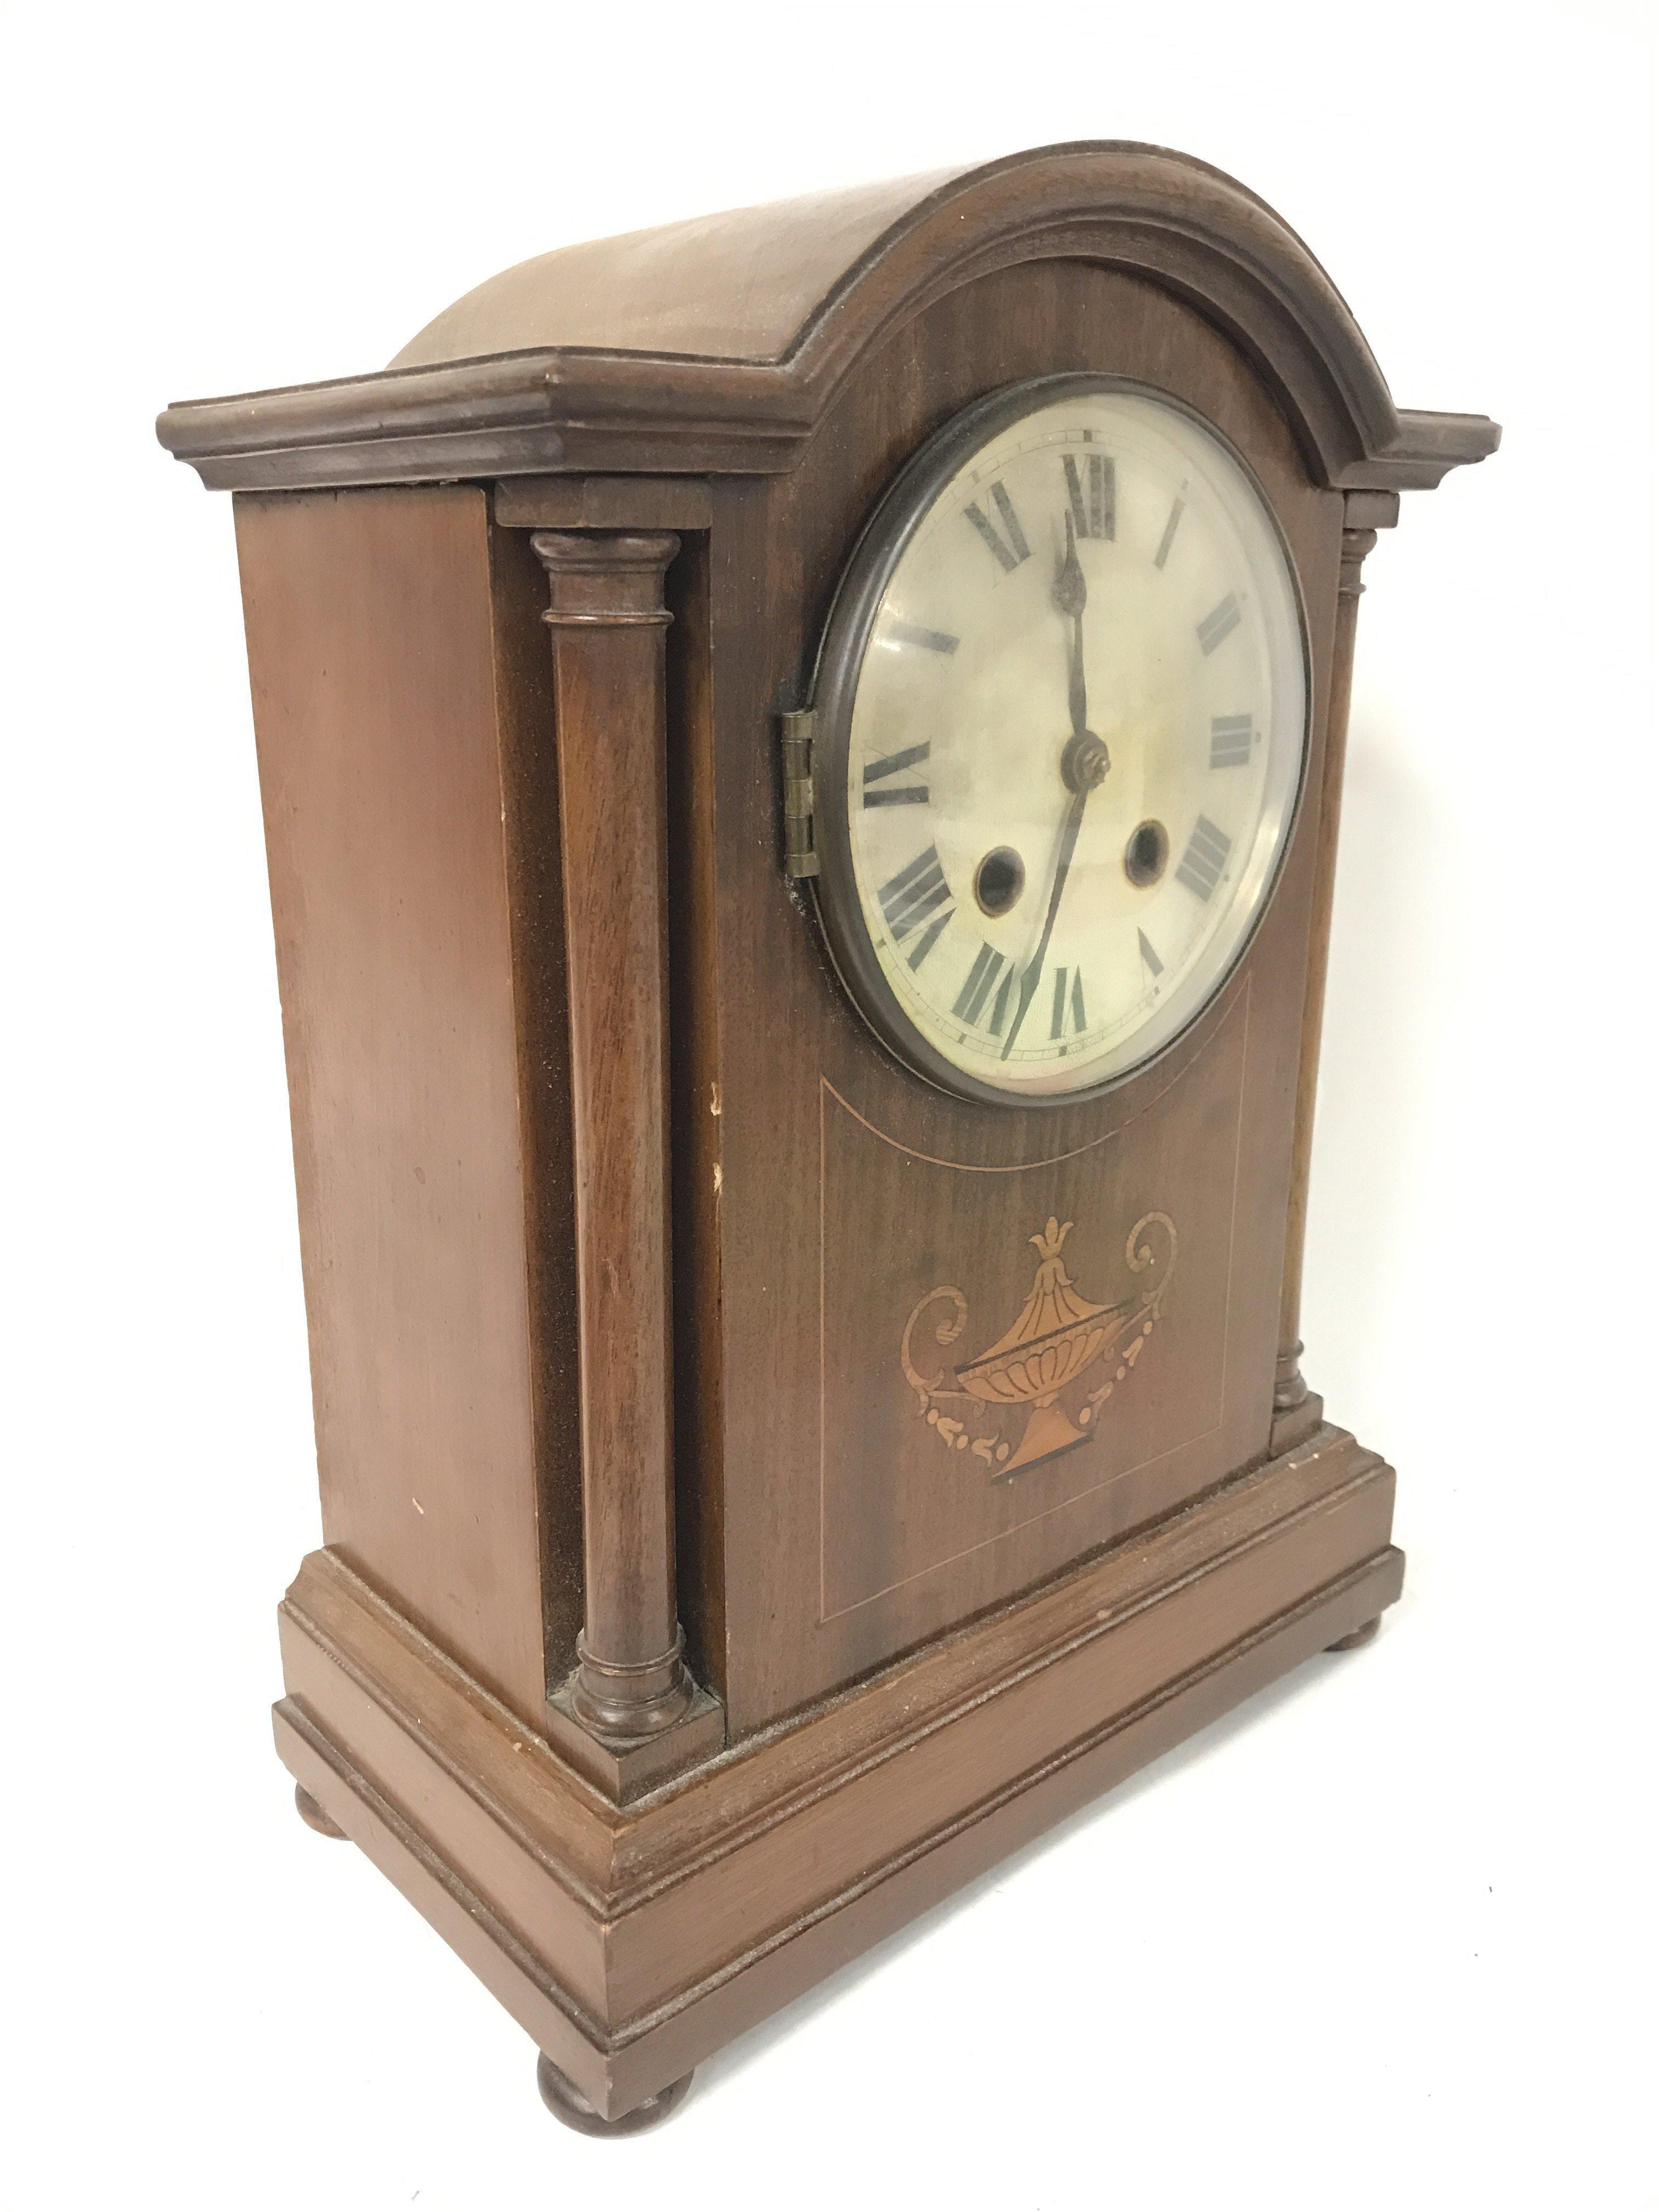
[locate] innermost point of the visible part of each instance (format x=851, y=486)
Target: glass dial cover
x=1060, y=730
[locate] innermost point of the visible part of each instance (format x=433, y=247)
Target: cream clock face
x=1061, y=726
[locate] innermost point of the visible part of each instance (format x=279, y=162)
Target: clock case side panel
x=399, y=682
x=787, y=1031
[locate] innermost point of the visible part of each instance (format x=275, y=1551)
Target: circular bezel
x=876, y=554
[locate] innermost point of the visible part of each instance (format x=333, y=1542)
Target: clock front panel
x=949, y=1335
x=1031, y=1352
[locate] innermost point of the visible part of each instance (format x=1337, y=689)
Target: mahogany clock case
x=914, y=1634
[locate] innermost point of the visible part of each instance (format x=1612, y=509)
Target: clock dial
x=1062, y=725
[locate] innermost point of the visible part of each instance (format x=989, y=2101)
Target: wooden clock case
x=663, y=1651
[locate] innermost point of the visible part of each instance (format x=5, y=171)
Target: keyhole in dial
x=999, y=879
x=1147, y=854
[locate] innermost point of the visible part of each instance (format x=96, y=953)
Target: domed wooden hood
x=713, y=347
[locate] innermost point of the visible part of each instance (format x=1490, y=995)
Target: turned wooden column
x=608, y=622
x=1296, y=1411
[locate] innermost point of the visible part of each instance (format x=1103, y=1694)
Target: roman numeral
x=1168, y=538
x=982, y=978
x=899, y=794
x=1153, y=965
x=909, y=633
x=1205, y=858
x=1079, y=1020
x=1095, y=514
x=929, y=938
x=1220, y=621
x=913, y=894
x=1229, y=741
x=1008, y=555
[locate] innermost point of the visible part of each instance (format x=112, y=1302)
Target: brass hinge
x=799, y=858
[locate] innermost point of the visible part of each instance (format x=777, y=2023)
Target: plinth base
x=631, y=1940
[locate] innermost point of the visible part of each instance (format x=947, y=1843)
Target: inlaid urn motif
x=1058, y=1337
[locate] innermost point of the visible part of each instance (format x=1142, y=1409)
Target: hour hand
x=1071, y=596
x=1071, y=584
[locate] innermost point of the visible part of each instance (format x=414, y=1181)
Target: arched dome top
x=738, y=286
x=714, y=345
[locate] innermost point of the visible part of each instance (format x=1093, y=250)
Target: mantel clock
x=800, y=753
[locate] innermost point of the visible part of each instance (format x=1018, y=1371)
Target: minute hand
x=1084, y=764
x=1033, y=975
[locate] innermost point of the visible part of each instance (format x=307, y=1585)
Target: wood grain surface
x=377, y=698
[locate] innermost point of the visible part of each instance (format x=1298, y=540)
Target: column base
x=630, y=1703
x=625, y=1766
x=1296, y=1423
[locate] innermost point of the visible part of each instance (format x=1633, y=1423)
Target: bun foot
x=313, y=1815
x=566, y=2102
x=1362, y=1635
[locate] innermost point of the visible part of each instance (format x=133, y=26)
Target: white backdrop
x=1382, y=1939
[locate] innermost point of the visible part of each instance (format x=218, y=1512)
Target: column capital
x=1356, y=544
x=605, y=577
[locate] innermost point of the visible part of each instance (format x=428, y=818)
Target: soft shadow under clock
x=732, y=2057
